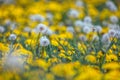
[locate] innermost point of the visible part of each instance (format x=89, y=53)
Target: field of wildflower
x=59, y=39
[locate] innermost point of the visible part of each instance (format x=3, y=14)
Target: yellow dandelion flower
x=90, y=58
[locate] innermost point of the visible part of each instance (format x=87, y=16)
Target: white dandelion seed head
x=87, y=19
x=95, y=37
x=49, y=31
x=8, y=22
x=13, y=26
x=113, y=8
x=83, y=38
x=44, y=41
x=70, y=29
x=79, y=23
x=49, y=16
x=2, y=29
x=27, y=29
x=112, y=33
x=105, y=23
x=73, y=13
x=117, y=34
x=41, y=28
x=98, y=28
x=114, y=19
x=87, y=29
x=12, y=37
x=114, y=26
x=111, y=5
x=105, y=38
x=37, y=17
x=79, y=3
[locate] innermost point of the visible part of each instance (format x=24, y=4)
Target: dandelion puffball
x=87, y=19
x=2, y=29
x=37, y=17
x=44, y=41
x=12, y=37
x=113, y=19
x=41, y=28
x=73, y=13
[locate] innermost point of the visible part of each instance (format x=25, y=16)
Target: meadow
x=59, y=40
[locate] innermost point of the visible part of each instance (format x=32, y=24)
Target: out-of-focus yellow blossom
x=70, y=52
x=105, y=30
x=111, y=66
x=90, y=36
x=104, y=14
x=62, y=55
x=43, y=54
x=111, y=57
x=93, y=53
x=30, y=42
x=54, y=42
x=4, y=48
x=17, y=32
x=94, y=2
x=110, y=51
x=65, y=43
x=8, y=76
x=112, y=75
x=82, y=47
x=7, y=34
x=91, y=58
x=63, y=70
x=41, y=63
x=54, y=6
x=34, y=74
x=17, y=46
x=100, y=54
x=53, y=60
x=58, y=16
x=87, y=74
x=49, y=77
x=66, y=35
x=92, y=11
